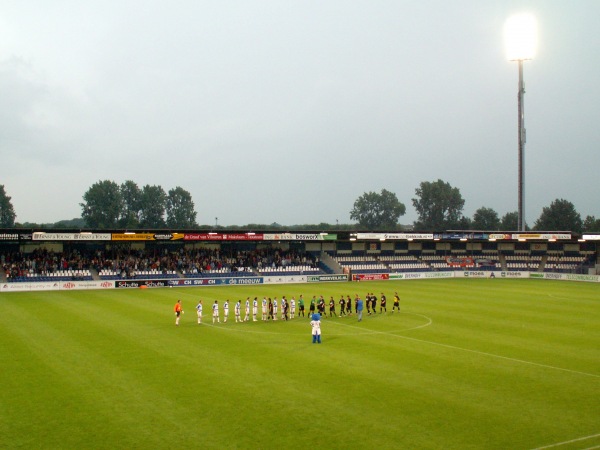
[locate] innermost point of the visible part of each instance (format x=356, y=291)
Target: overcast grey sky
x=288, y=111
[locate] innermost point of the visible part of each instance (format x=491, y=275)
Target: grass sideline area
x=467, y=364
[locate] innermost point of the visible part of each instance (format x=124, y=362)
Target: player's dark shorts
x=178, y=313
x=301, y=307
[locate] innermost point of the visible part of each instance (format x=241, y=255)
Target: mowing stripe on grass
x=508, y=358
x=558, y=444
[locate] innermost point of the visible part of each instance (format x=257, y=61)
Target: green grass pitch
x=467, y=364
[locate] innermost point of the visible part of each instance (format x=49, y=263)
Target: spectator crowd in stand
x=127, y=262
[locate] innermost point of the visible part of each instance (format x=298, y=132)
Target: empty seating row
x=59, y=275
x=221, y=273
x=290, y=269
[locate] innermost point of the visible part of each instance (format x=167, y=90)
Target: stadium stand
x=116, y=263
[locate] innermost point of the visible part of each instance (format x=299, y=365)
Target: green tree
x=152, y=207
x=438, y=205
x=591, y=224
x=375, y=211
x=486, y=219
x=7, y=212
x=464, y=223
x=510, y=221
x=132, y=195
x=559, y=216
x=102, y=205
x=180, y=209
x=76, y=222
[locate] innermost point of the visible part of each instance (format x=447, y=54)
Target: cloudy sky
x=288, y=111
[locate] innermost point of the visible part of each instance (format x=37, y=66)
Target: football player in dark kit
x=301, y=305
x=331, y=307
x=373, y=303
x=342, y=306
x=383, y=303
x=270, y=316
x=321, y=306
x=396, y=302
x=284, y=308
x=349, y=305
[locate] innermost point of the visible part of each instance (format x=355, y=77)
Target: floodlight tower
x=520, y=34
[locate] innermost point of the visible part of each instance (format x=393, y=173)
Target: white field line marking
x=483, y=353
x=333, y=322
x=428, y=319
x=558, y=444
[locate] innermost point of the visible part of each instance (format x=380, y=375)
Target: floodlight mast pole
x=521, y=131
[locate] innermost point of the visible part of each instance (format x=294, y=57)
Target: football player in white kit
x=225, y=310
x=215, y=308
x=199, y=311
x=264, y=308
x=292, y=307
x=238, y=306
x=254, y=309
x=274, y=308
x=247, y=309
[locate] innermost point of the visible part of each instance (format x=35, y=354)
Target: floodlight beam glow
x=520, y=36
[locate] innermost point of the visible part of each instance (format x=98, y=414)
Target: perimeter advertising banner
x=223, y=237
x=591, y=237
x=42, y=236
x=499, y=236
x=326, y=278
x=300, y=237
x=543, y=236
x=78, y=285
x=421, y=275
x=121, y=284
x=9, y=236
x=393, y=236
x=461, y=236
x=147, y=236
x=36, y=286
x=216, y=281
x=566, y=276
x=259, y=237
x=454, y=261
x=283, y=279
x=370, y=276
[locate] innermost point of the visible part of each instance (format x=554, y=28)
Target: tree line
x=109, y=205
x=440, y=207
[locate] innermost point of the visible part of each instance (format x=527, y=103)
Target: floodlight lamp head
x=520, y=37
